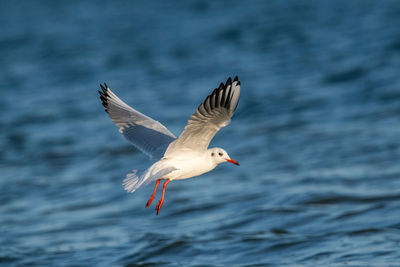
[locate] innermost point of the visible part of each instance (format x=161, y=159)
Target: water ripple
x=316, y=132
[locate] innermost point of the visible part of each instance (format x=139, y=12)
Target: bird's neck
x=211, y=161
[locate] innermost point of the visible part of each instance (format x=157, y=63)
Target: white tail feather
x=134, y=180
x=130, y=183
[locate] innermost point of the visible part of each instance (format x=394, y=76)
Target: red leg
x=153, y=195
x=160, y=203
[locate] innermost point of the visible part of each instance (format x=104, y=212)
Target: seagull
x=177, y=158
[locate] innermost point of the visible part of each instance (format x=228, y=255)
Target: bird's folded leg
x=153, y=195
x=160, y=203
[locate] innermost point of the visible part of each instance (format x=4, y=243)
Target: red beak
x=233, y=161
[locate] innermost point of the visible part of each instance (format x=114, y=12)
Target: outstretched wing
x=150, y=136
x=213, y=114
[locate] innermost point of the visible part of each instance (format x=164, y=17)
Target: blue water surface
x=317, y=132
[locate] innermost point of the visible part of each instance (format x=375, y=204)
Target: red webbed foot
x=154, y=194
x=160, y=203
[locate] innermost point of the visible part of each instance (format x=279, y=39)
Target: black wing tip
x=225, y=92
x=229, y=81
x=104, y=96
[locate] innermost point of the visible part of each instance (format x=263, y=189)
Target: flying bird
x=177, y=158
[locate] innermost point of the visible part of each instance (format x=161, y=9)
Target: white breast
x=189, y=165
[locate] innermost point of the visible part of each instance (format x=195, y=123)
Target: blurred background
x=316, y=132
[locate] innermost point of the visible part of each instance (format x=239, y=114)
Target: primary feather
x=150, y=136
x=213, y=114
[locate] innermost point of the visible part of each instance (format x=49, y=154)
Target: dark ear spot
x=220, y=154
x=212, y=154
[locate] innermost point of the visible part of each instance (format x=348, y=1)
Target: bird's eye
x=220, y=154
x=212, y=154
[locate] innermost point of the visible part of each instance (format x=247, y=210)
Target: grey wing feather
x=214, y=113
x=150, y=136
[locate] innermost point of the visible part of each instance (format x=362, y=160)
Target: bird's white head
x=218, y=156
